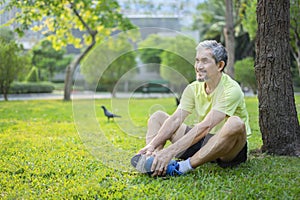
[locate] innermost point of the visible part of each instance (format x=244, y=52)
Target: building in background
x=167, y=18
x=171, y=14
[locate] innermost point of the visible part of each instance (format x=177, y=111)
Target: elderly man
x=221, y=133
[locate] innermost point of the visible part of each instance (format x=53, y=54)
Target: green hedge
x=30, y=87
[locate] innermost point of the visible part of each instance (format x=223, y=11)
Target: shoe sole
x=135, y=159
x=141, y=163
x=138, y=162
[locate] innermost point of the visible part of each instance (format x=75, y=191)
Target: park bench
x=156, y=87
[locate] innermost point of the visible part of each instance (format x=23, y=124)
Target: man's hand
x=148, y=150
x=160, y=162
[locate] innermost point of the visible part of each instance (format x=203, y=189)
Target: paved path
x=81, y=95
x=58, y=95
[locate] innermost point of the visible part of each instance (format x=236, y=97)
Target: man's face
x=205, y=66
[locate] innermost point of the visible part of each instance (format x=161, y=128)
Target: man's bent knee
x=158, y=116
x=236, y=124
x=236, y=120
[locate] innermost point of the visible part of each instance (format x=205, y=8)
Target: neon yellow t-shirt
x=227, y=98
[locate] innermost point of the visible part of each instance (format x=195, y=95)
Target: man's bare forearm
x=168, y=128
x=193, y=136
x=197, y=132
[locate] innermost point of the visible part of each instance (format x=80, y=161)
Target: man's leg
x=224, y=145
x=155, y=122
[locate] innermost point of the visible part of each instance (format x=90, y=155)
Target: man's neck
x=210, y=85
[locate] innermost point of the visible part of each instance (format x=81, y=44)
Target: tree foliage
x=249, y=18
x=221, y=21
x=244, y=73
x=48, y=60
x=210, y=19
x=12, y=62
x=180, y=56
x=249, y=23
x=58, y=20
x=33, y=75
x=295, y=31
x=109, y=61
x=6, y=35
x=175, y=54
x=63, y=17
x=152, y=55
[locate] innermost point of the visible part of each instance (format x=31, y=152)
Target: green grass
x=46, y=155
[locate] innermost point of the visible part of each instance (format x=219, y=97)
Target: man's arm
x=168, y=128
x=164, y=156
x=197, y=132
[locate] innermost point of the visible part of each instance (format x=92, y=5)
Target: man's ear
x=221, y=65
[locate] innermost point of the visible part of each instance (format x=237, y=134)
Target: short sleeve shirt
x=227, y=98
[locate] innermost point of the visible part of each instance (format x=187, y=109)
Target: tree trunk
x=69, y=78
x=71, y=69
x=5, y=95
x=4, y=91
x=68, y=83
x=229, y=37
x=278, y=119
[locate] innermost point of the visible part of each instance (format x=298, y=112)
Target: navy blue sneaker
x=143, y=164
x=138, y=162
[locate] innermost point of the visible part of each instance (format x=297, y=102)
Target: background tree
x=180, y=56
x=173, y=53
x=151, y=55
x=250, y=25
x=95, y=19
x=295, y=31
x=150, y=50
x=248, y=18
x=210, y=20
x=12, y=61
x=6, y=35
x=278, y=120
x=244, y=73
x=229, y=35
x=111, y=60
x=33, y=75
x=48, y=60
x=221, y=21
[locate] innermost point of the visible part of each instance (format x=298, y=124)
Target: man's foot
x=143, y=164
x=138, y=162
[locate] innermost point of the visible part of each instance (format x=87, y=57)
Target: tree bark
x=278, y=119
x=71, y=69
x=4, y=92
x=229, y=37
x=69, y=79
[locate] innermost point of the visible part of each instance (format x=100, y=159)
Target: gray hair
x=218, y=50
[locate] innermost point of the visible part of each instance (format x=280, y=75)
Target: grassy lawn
x=51, y=151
